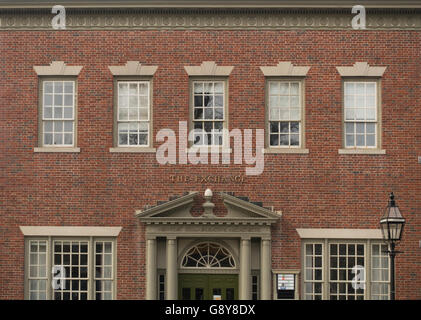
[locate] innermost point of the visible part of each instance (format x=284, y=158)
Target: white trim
x=208, y=68
x=58, y=68
x=361, y=151
x=134, y=149
x=57, y=149
x=133, y=68
x=327, y=233
x=361, y=69
x=285, y=69
x=70, y=231
x=285, y=150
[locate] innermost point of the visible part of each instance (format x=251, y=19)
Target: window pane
x=371, y=141
x=359, y=141
x=295, y=140
x=48, y=87
x=283, y=139
x=48, y=99
x=68, y=87
x=143, y=102
x=274, y=140
x=349, y=114
x=274, y=88
x=294, y=87
x=58, y=87
x=284, y=88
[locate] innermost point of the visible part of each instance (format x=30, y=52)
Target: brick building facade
x=76, y=192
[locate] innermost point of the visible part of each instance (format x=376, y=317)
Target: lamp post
x=392, y=224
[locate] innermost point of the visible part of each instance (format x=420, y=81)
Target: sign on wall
x=285, y=287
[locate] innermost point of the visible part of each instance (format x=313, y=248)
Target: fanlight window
x=208, y=255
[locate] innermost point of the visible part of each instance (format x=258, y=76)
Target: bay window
x=70, y=268
x=345, y=270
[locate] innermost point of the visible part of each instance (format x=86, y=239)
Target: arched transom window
x=208, y=255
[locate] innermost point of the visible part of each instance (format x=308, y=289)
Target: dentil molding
x=209, y=19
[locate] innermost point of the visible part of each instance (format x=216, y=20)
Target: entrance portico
x=242, y=231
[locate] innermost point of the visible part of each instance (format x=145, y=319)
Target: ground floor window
x=161, y=285
x=70, y=268
x=345, y=270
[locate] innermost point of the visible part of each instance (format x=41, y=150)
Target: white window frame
x=382, y=255
x=118, y=121
x=337, y=268
x=224, y=120
x=304, y=280
x=43, y=119
x=91, y=262
x=376, y=121
x=301, y=121
x=326, y=263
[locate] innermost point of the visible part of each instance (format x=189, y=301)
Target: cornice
x=210, y=3
x=139, y=19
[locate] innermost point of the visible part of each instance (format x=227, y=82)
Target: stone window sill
x=133, y=150
x=362, y=151
x=57, y=149
x=286, y=150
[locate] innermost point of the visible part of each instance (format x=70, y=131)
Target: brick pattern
x=96, y=187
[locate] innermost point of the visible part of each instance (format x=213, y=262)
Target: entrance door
x=208, y=286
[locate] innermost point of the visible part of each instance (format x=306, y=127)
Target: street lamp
x=392, y=224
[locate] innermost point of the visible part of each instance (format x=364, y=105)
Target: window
x=58, y=113
x=133, y=114
x=284, y=114
x=81, y=269
x=161, y=286
x=360, y=114
x=379, y=272
x=255, y=287
x=313, y=271
x=344, y=261
x=208, y=255
x=38, y=270
x=209, y=114
x=356, y=270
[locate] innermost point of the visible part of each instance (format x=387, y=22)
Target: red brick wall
x=96, y=187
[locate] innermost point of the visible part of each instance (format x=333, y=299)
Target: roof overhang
x=249, y=4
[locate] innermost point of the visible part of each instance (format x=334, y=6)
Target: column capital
x=245, y=238
x=171, y=238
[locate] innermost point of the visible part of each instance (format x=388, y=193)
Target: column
x=151, y=281
x=172, y=269
x=265, y=269
x=245, y=269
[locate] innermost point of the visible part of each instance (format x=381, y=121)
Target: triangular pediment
x=179, y=207
x=177, y=211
